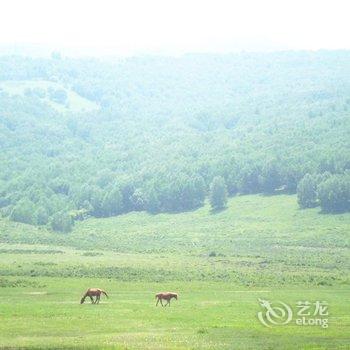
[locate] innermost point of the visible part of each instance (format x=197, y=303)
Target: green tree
x=112, y=203
x=41, y=216
x=218, y=193
x=138, y=200
x=23, y=211
x=270, y=177
x=249, y=179
x=127, y=190
x=184, y=193
x=292, y=174
x=307, y=191
x=58, y=95
x=153, y=204
x=61, y=222
x=96, y=201
x=334, y=193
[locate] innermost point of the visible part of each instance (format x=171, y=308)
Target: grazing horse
x=165, y=296
x=93, y=292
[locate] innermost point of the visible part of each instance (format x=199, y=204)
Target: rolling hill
x=89, y=137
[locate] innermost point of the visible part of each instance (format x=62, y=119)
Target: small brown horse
x=93, y=292
x=165, y=296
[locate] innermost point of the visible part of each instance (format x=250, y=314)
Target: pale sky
x=176, y=26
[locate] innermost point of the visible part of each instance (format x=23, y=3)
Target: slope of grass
x=259, y=247
x=256, y=240
x=75, y=102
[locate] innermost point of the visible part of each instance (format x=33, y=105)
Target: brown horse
x=93, y=292
x=165, y=296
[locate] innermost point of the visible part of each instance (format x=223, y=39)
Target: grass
x=260, y=247
x=75, y=102
x=206, y=316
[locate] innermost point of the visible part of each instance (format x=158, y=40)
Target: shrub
x=218, y=193
x=334, y=193
x=61, y=222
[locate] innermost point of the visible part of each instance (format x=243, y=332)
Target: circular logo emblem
x=277, y=313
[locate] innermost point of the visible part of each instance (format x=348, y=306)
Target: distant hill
x=82, y=137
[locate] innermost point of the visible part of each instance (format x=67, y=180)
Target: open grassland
x=206, y=316
x=256, y=241
x=220, y=263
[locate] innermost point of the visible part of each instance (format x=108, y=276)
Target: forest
x=102, y=137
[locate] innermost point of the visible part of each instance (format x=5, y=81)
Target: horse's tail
x=102, y=291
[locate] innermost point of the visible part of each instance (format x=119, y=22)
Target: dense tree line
x=330, y=192
x=170, y=132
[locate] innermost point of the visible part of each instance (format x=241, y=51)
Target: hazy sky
x=177, y=26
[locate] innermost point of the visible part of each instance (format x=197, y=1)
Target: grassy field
x=75, y=102
x=219, y=263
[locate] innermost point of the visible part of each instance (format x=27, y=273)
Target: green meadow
x=207, y=315
x=220, y=263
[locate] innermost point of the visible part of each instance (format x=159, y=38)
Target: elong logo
x=279, y=313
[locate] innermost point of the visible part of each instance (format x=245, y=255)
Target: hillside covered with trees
x=89, y=137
